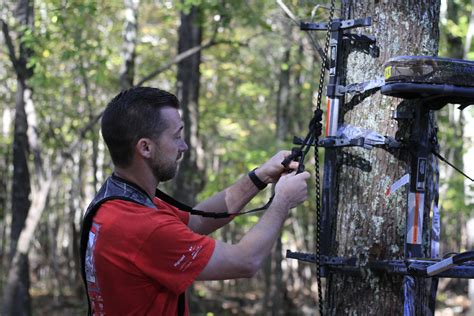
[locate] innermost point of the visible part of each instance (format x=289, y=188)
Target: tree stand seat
x=436, y=81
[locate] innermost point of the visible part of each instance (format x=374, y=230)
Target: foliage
x=454, y=27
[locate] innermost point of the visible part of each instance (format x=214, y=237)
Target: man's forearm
x=230, y=200
x=245, y=258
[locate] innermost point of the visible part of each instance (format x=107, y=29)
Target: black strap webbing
x=437, y=154
x=85, y=229
x=168, y=199
x=181, y=304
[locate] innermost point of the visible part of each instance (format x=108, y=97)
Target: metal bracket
x=332, y=142
x=341, y=142
x=337, y=24
x=364, y=43
x=361, y=87
x=374, y=140
x=415, y=267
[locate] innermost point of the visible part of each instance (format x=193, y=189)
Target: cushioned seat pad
x=436, y=81
x=427, y=69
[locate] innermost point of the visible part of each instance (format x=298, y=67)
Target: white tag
x=398, y=184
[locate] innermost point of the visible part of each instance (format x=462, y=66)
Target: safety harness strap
x=184, y=207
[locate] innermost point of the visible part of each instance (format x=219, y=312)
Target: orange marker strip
x=328, y=115
x=415, y=220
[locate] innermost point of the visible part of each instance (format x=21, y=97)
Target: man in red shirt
x=140, y=253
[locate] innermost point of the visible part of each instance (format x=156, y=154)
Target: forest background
x=246, y=76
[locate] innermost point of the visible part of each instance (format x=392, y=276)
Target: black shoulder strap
x=181, y=304
x=85, y=229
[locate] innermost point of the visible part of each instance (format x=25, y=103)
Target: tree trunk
x=190, y=179
x=5, y=177
x=470, y=32
x=127, y=73
x=19, y=266
x=283, y=98
x=267, y=285
x=300, y=103
x=370, y=225
x=277, y=289
x=17, y=300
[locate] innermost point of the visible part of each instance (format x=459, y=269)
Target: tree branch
x=188, y=53
x=470, y=32
x=313, y=41
x=175, y=60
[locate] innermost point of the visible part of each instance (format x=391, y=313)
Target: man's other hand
x=292, y=188
x=271, y=171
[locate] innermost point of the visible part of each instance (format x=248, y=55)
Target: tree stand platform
x=436, y=81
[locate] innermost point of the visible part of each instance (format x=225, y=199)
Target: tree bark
x=267, y=284
x=283, y=99
x=127, y=73
x=470, y=32
x=282, y=122
x=17, y=301
x=5, y=177
x=190, y=179
x=274, y=298
x=15, y=283
x=370, y=225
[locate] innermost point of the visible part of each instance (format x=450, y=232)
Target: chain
x=316, y=161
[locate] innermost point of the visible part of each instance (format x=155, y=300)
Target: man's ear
x=144, y=147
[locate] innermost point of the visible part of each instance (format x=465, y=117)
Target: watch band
x=258, y=183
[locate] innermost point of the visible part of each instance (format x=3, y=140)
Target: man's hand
x=292, y=188
x=271, y=170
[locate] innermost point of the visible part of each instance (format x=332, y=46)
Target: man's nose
x=184, y=146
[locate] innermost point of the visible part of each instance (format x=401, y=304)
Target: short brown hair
x=131, y=115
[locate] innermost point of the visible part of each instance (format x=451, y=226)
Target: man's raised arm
x=236, y=196
x=245, y=258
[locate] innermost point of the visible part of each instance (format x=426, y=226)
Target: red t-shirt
x=143, y=258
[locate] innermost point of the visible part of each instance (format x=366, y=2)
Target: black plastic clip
x=296, y=155
x=402, y=115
